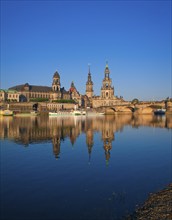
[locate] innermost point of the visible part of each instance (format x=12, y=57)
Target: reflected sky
x=82, y=168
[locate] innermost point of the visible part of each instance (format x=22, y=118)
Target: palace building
x=30, y=92
x=9, y=95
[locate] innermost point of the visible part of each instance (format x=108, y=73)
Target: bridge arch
x=35, y=106
x=110, y=110
x=128, y=109
x=119, y=109
x=22, y=98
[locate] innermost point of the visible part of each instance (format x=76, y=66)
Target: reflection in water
x=36, y=186
x=26, y=130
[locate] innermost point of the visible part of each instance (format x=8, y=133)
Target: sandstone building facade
x=9, y=95
x=29, y=93
x=55, y=92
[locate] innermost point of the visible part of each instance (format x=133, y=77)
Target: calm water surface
x=82, y=167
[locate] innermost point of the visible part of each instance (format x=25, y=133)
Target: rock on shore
x=157, y=207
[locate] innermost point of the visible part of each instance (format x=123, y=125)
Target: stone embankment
x=157, y=207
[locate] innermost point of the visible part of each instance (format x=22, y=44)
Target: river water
x=82, y=168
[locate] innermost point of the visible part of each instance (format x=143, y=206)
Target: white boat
x=78, y=112
x=34, y=113
x=53, y=114
x=101, y=113
x=83, y=112
x=6, y=112
x=160, y=111
x=67, y=113
x=60, y=113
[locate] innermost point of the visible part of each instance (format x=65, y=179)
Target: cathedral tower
x=89, y=86
x=107, y=91
x=56, y=82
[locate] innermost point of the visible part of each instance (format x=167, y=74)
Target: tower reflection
x=27, y=130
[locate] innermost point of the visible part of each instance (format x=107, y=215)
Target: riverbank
x=157, y=207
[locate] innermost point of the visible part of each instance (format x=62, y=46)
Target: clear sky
x=40, y=37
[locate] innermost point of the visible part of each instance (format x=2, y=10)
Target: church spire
x=89, y=81
x=89, y=84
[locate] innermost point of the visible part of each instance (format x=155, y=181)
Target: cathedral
x=107, y=97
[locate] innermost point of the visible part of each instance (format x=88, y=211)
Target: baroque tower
x=56, y=82
x=89, y=85
x=107, y=91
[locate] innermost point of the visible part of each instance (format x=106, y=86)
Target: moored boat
x=6, y=112
x=53, y=114
x=160, y=111
x=101, y=113
x=60, y=113
x=78, y=112
x=67, y=113
x=34, y=113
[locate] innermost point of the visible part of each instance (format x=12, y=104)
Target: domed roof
x=107, y=68
x=72, y=87
x=26, y=85
x=56, y=75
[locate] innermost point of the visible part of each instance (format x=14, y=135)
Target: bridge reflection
x=27, y=130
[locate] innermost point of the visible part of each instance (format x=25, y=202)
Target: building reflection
x=56, y=146
x=89, y=136
x=108, y=130
x=28, y=130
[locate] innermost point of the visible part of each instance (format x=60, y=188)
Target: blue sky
x=40, y=37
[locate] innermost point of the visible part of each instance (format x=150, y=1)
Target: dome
x=26, y=85
x=107, y=68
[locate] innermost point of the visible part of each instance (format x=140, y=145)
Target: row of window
x=35, y=95
x=54, y=107
x=13, y=96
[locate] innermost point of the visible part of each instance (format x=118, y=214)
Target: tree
x=135, y=101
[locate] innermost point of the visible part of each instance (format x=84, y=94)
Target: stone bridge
x=141, y=108
x=125, y=107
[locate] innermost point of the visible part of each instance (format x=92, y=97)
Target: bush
x=155, y=106
x=64, y=101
